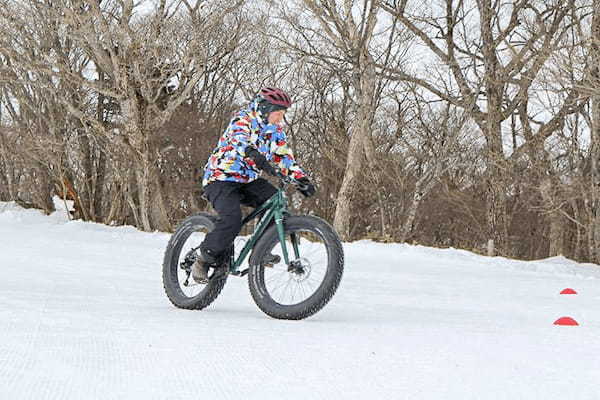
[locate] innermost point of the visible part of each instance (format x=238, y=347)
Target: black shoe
x=270, y=259
x=200, y=271
x=203, y=263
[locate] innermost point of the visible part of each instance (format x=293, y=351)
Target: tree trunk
x=159, y=213
x=85, y=193
x=130, y=197
x=577, y=250
x=42, y=194
x=496, y=213
x=98, y=187
x=365, y=85
x=422, y=187
x=142, y=176
x=556, y=220
x=495, y=185
x=492, y=129
x=594, y=227
x=152, y=211
x=99, y=176
x=8, y=173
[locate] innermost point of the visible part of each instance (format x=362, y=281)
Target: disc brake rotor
x=300, y=269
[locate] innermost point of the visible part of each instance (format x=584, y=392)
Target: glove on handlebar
x=306, y=187
x=261, y=161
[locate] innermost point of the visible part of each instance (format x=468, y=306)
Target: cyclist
x=253, y=138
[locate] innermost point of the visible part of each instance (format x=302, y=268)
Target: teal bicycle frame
x=275, y=207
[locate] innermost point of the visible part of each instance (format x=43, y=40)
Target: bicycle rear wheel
x=304, y=287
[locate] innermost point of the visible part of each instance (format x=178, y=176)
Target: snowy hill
x=83, y=315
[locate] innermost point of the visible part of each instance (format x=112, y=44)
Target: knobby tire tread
x=171, y=266
x=323, y=294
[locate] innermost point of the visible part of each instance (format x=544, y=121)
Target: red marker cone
x=568, y=321
x=568, y=291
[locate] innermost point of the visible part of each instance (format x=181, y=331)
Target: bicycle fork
x=293, y=237
x=281, y=233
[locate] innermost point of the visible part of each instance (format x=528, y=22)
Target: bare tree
x=594, y=153
x=493, y=52
x=144, y=74
x=437, y=138
x=342, y=39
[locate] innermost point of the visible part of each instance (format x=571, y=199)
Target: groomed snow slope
x=83, y=315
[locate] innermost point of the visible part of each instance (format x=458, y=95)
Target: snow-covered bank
x=83, y=315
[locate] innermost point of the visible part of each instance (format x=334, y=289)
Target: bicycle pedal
x=220, y=272
x=270, y=260
x=193, y=283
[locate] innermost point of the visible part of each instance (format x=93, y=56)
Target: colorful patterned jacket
x=228, y=162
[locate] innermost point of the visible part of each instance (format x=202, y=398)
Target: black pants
x=226, y=198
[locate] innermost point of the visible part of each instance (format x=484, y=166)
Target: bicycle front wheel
x=305, y=286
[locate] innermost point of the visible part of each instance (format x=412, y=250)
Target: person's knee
x=227, y=227
x=232, y=221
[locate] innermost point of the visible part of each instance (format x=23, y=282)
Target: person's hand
x=269, y=169
x=264, y=164
x=306, y=187
x=261, y=161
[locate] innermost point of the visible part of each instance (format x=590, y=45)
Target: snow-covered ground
x=83, y=315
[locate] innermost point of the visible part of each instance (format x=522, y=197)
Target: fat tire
x=171, y=266
x=331, y=281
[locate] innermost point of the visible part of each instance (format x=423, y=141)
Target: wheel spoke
x=308, y=283
x=304, y=296
x=275, y=274
x=296, y=290
x=300, y=285
x=281, y=286
x=292, y=291
x=284, y=290
x=279, y=283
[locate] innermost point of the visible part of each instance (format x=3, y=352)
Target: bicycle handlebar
x=288, y=180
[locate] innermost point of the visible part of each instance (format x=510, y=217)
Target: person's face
x=276, y=117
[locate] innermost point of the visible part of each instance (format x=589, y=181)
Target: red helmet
x=276, y=97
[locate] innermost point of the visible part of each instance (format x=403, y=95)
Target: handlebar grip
x=301, y=186
x=285, y=178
